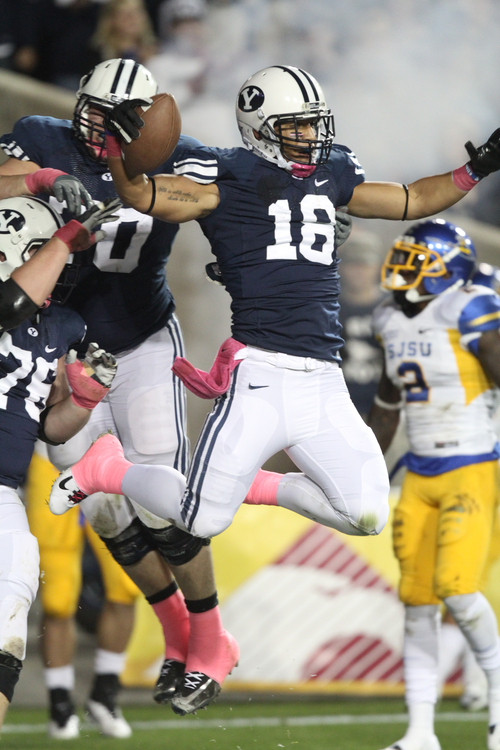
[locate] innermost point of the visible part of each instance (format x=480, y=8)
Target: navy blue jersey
x=121, y=293
x=28, y=365
x=273, y=237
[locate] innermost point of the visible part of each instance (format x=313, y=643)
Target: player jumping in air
x=269, y=211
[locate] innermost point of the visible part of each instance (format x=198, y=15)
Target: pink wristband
x=112, y=145
x=75, y=236
x=41, y=180
x=464, y=178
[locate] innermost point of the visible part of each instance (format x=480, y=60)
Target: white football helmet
x=109, y=83
x=277, y=94
x=25, y=225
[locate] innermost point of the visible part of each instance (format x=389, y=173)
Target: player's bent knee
x=129, y=547
x=176, y=546
x=10, y=669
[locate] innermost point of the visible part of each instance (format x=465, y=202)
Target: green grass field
x=334, y=724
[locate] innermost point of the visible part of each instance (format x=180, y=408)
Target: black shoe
x=64, y=723
x=197, y=691
x=102, y=707
x=169, y=681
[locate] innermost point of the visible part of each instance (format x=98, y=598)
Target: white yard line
x=264, y=721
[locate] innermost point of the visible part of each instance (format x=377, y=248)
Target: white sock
x=475, y=682
x=477, y=621
x=109, y=662
x=421, y=721
x=420, y=653
x=59, y=677
x=452, y=646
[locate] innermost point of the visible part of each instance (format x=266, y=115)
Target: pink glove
x=89, y=389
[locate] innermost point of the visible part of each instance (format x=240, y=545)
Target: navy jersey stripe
x=204, y=448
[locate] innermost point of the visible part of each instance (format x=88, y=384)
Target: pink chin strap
x=303, y=170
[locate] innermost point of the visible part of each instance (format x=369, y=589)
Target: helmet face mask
x=274, y=106
x=25, y=225
x=106, y=85
x=433, y=256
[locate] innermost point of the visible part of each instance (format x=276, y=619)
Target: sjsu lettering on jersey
x=409, y=349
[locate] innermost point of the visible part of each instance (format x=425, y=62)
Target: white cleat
x=69, y=731
x=109, y=723
x=431, y=743
x=474, y=701
x=65, y=493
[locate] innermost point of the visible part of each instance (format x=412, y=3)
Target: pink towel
x=214, y=383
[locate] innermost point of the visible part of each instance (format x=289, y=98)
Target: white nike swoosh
x=49, y=350
x=319, y=183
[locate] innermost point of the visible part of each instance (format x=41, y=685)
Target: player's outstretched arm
x=26, y=178
x=384, y=414
x=429, y=195
x=172, y=198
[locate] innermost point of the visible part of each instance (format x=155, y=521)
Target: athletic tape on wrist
x=112, y=145
x=464, y=178
x=41, y=180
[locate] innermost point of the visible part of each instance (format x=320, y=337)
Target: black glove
x=100, y=213
x=70, y=189
x=343, y=225
x=124, y=120
x=485, y=159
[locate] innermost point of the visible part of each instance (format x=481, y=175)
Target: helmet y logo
x=11, y=221
x=250, y=99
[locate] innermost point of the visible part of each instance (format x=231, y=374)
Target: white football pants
x=276, y=401
x=19, y=571
x=146, y=410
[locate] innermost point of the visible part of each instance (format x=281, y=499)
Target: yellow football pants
x=61, y=541
x=446, y=532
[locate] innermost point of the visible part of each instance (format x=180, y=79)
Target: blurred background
x=409, y=82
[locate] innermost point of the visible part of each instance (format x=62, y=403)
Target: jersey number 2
x=313, y=233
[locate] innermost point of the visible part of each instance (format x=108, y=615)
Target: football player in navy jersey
x=119, y=288
x=269, y=212
x=35, y=400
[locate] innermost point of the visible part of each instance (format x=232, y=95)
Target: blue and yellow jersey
x=432, y=359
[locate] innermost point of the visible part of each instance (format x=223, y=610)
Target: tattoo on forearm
x=178, y=195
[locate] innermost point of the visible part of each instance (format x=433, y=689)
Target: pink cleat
x=101, y=469
x=198, y=688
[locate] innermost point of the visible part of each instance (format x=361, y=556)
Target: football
x=158, y=138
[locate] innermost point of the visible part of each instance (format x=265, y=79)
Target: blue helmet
x=433, y=252
x=487, y=275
